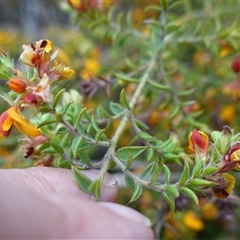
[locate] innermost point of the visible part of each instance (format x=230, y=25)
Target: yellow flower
x=198, y=140
x=228, y=113
x=192, y=221
x=12, y=117
x=67, y=73
x=91, y=68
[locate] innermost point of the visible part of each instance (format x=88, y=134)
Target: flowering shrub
x=143, y=107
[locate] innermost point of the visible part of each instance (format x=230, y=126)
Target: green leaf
x=152, y=7
x=159, y=86
x=94, y=124
x=156, y=171
x=215, y=135
x=79, y=117
x=95, y=188
x=129, y=182
x=120, y=18
x=84, y=145
x=149, y=154
x=101, y=111
x=147, y=170
x=186, y=92
x=57, y=97
x=65, y=140
x=123, y=99
x=59, y=149
x=141, y=125
x=172, y=191
x=82, y=180
x=126, y=78
x=44, y=109
x=197, y=168
x=185, y=174
x=99, y=134
x=84, y=157
x=169, y=199
x=129, y=161
x=163, y=144
x=167, y=173
x=137, y=192
x=200, y=182
x=188, y=192
x=62, y=130
x=175, y=111
x=66, y=107
x=164, y=4
x=116, y=108
x=209, y=171
x=65, y=164
x=170, y=156
x=123, y=153
x=146, y=136
x=75, y=144
x=47, y=122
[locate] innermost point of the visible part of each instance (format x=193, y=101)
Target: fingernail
x=109, y=181
x=126, y=212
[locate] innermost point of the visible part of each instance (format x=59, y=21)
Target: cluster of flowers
x=33, y=91
x=199, y=143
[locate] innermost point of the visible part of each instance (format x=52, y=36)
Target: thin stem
x=88, y=139
x=158, y=188
x=111, y=150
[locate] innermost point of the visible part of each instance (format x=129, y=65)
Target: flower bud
x=17, y=85
x=198, y=140
x=5, y=124
x=236, y=64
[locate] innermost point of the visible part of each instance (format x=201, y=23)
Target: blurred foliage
x=185, y=52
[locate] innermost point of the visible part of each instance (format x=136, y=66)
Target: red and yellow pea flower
x=231, y=160
x=32, y=54
x=41, y=92
x=12, y=117
x=226, y=183
x=198, y=140
x=37, y=56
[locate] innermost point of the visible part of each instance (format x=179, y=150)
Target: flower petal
x=22, y=124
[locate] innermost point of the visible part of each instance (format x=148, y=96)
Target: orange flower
x=226, y=184
x=198, y=140
x=11, y=117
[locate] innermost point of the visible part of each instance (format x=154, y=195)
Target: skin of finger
x=29, y=215
x=56, y=180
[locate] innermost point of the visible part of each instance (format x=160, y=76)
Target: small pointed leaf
x=188, y=192
x=82, y=180
x=137, y=192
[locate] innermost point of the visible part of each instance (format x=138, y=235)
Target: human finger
x=47, y=180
